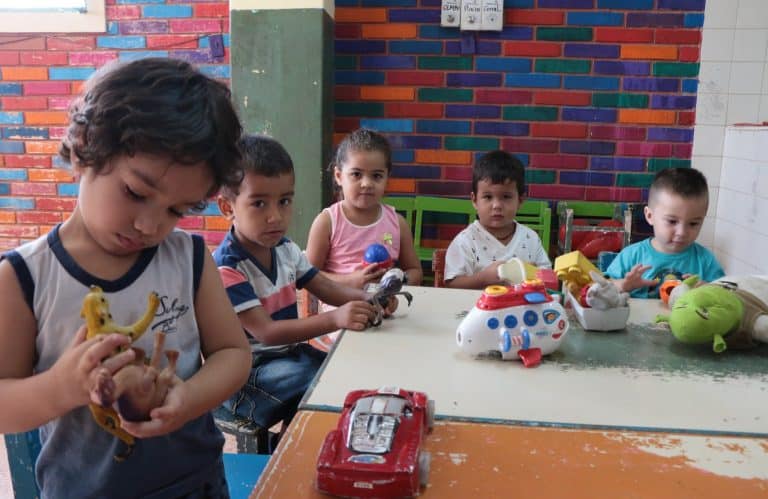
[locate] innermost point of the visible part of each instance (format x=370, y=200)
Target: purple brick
x=591, y=50
x=473, y=79
x=471, y=111
x=414, y=16
x=508, y=33
x=360, y=47
x=586, y=178
x=652, y=84
x=638, y=19
x=673, y=101
x=589, y=114
x=500, y=128
x=670, y=134
x=142, y=27
x=415, y=142
x=621, y=68
x=617, y=164
x=586, y=147
x=481, y=48
x=193, y=56
x=387, y=62
x=567, y=4
x=681, y=4
x=421, y=171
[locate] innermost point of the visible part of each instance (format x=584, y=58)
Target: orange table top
x=491, y=460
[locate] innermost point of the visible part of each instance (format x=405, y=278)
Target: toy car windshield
x=374, y=422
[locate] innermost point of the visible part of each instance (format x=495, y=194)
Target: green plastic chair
x=537, y=215
x=404, y=205
x=433, y=204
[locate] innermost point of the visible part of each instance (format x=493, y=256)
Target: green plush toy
x=731, y=312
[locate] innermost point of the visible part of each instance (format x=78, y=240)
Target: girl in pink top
x=341, y=233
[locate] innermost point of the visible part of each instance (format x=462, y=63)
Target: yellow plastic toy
x=98, y=321
x=573, y=269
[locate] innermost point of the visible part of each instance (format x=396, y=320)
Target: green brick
x=634, y=179
x=658, y=164
x=540, y=177
x=682, y=69
x=620, y=100
x=530, y=113
x=445, y=94
x=564, y=34
x=463, y=63
x=563, y=66
x=367, y=109
x=345, y=62
x=471, y=144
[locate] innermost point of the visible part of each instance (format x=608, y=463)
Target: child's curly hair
x=155, y=106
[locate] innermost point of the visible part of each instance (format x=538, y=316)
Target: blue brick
x=387, y=125
x=587, y=147
x=121, y=42
x=443, y=126
x=664, y=134
x=415, y=47
x=140, y=54
x=10, y=88
x=637, y=19
x=596, y=50
x=197, y=56
x=590, y=83
x=652, y=84
x=501, y=128
x=166, y=11
x=17, y=204
x=567, y=4
x=402, y=171
x=359, y=77
x=205, y=42
x=70, y=73
x=211, y=209
x=508, y=33
x=415, y=142
x=505, y=64
x=68, y=190
x=360, y=46
x=471, y=111
x=694, y=20
x=589, y=114
x=621, y=68
x=437, y=31
x=18, y=174
x=215, y=70
x=473, y=79
x=681, y=5
x=414, y=15
x=482, y=47
x=690, y=86
x=5, y=189
x=595, y=19
x=625, y=4
x=673, y=101
x=402, y=156
x=113, y=28
x=11, y=118
x=388, y=3
x=532, y=80
x=521, y=4
x=617, y=164
x=387, y=62
x=586, y=178
x=25, y=132
x=58, y=162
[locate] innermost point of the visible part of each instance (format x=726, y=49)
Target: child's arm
x=318, y=247
x=408, y=260
x=486, y=277
x=634, y=279
x=32, y=400
x=225, y=369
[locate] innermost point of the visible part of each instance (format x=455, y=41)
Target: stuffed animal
x=602, y=294
x=731, y=312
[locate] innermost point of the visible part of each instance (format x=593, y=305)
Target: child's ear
x=648, y=212
x=225, y=207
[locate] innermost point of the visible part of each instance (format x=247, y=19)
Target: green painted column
x=282, y=85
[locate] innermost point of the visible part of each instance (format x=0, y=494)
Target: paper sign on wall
x=471, y=15
x=450, y=13
x=492, y=18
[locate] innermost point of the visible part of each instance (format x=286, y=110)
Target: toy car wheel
x=430, y=414
x=425, y=459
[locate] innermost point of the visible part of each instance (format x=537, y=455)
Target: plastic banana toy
x=98, y=321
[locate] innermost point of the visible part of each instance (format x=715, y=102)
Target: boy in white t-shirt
x=498, y=185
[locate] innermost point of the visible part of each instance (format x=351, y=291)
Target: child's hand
x=168, y=417
x=490, y=274
x=365, y=273
x=354, y=315
x=634, y=278
x=84, y=361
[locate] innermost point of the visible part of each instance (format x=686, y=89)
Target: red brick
x=27, y=161
x=38, y=58
x=94, y=58
x=534, y=17
x=457, y=173
x=413, y=110
x=562, y=98
x=346, y=92
x=347, y=31
x=196, y=25
x=71, y=42
x=493, y=96
x=211, y=9
x=346, y=124
x=644, y=149
x=623, y=35
x=118, y=12
x=20, y=231
x=422, y=78
x=683, y=151
x=46, y=88
x=615, y=194
x=191, y=223
x=38, y=217
x=32, y=189
x=8, y=58
x=23, y=103
x=175, y=41
x=9, y=243
x=558, y=162
x=617, y=132
x=529, y=145
x=689, y=54
x=57, y=132
x=533, y=49
x=686, y=118
x=569, y=192
x=22, y=42
x=55, y=204
x=680, y=36
x=568, y=130
x=60, y=102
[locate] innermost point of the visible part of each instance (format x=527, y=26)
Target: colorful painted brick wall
x=40, y=74
x=594, y=95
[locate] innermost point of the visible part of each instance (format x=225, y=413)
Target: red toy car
x=375, y=451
